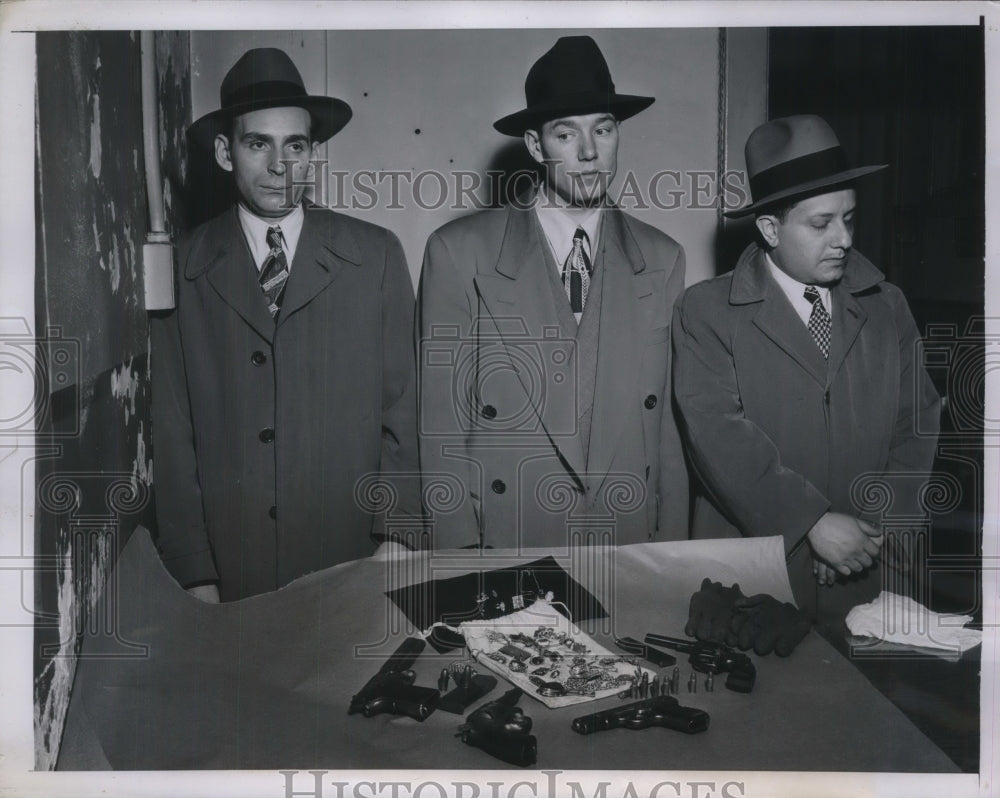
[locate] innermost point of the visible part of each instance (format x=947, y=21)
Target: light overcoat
x=502, y=457
x=778, y=435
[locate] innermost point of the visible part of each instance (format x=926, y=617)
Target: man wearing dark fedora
x=285, y=373
x=544, y=340
x=799, y=378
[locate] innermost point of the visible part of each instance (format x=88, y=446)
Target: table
x=264, y=683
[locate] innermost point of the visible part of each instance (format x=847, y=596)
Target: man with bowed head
x=799, y=378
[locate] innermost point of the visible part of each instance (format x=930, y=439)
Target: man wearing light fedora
x=799, y=377
x=544, y=341
x=285, y=373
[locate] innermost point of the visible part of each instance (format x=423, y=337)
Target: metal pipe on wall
x=157, y=252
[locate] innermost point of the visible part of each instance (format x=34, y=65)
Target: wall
x=426, y=100
x=95, y=464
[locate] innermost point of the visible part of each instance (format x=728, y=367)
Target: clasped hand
x=842, y=544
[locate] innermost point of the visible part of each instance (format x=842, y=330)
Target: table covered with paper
x=265, y=683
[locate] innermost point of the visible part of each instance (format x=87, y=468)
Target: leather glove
x=768, y=625
x=710, y=612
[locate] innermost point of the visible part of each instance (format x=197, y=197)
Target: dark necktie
x=576, y=272
x=819, y=320
x=274, y=272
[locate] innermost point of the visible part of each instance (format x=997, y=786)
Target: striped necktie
x=274, y=272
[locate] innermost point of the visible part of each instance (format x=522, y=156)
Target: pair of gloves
x=719, y=614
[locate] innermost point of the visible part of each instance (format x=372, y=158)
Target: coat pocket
x=658, y=335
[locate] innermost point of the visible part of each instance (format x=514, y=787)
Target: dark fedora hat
x=570, y=79
x=266, y=78
x=793, y=156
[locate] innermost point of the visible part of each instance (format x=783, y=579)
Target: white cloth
x=900, y=619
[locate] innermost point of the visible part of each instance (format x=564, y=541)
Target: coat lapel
x=627, y=285
x=848, y=314
x=319, y=258
x=518, y=299
x=776, y=318
x=224, y=257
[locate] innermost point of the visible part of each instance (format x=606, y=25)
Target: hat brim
x=810, y=187
x=622, y=106
x=329, y=116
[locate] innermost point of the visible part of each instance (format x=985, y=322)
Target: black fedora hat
x=265, y=77
x=570, y=79
x=794, y=156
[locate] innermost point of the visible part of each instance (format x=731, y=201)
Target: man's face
x=268, y=155
x=580, y=154
x=812, y=242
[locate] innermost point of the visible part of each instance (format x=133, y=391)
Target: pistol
x=663, y=711
x=501, y=729
x=391, y=689
x=712, y=658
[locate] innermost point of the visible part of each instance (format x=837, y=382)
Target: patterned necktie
x=274, y=272
x=819, y=320
x=576, y=273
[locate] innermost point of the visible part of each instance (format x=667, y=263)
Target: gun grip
x=742, y=679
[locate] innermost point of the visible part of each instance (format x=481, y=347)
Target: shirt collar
x=560, y=227
x=792, y=286
x=255, y=229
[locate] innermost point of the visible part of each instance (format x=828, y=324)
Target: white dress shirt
x=560, y=227
x=795, y=291
x=255, y=230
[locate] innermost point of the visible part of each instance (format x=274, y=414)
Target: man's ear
x=768, y=227
x=533, y=142
x=223, y=157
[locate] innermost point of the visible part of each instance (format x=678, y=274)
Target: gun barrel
x=676, y=643
x=404, y=656
x=661, y=711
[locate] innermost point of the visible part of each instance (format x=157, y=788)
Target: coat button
x=258, y=358
x=273, y=512
x=489, y=411
x=650, y=401
x=498, y=486
x=266, y=435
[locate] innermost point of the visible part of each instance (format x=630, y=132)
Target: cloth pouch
x=537, y=648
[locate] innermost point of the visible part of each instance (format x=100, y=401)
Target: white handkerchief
x=900, y=619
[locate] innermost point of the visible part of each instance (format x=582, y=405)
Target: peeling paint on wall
x=124, y=384
x=93, y=221
x=51, y=704
x=95, y=136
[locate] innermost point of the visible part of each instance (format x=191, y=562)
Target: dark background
x=914, y=98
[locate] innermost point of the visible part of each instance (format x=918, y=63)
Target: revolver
x=662, y=710
x=391, y=689
x=712, y=658
x=501, y=729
